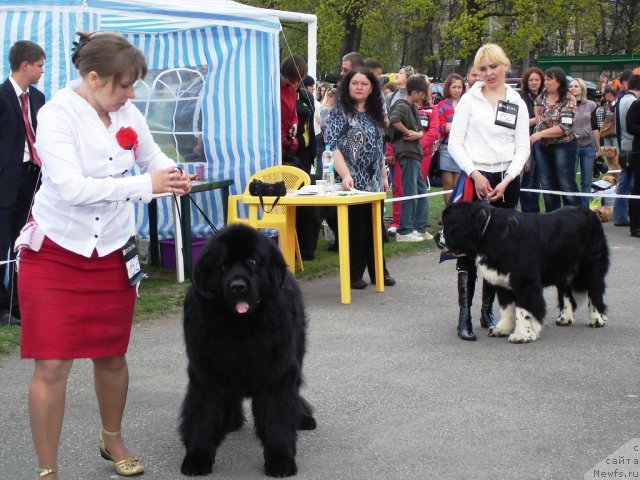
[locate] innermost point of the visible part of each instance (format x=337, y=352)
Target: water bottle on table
x=327, y=168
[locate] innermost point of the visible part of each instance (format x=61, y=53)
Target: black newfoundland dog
x=521, y=253
x=244, y=328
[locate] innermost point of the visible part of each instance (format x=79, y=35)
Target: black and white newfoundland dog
x=245, y=330
x=521, y=253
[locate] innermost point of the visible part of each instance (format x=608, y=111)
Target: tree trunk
x=353, y=34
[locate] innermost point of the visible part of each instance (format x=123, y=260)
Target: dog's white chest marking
x=492, y=276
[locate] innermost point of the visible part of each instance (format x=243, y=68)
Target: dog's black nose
x=238, y=285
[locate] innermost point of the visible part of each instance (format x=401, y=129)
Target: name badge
x=506, y=114
x=132, y=262
x=424, y=120
x=566, y=118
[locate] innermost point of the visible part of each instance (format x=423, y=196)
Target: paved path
x=397, y=395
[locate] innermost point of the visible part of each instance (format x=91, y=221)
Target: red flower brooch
x=128, y=139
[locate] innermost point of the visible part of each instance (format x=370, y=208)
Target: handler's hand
x=170, y=180
x=482, y=185
x=498, y=192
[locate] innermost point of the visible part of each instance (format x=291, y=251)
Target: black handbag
x=258, y=188
x=434, y=168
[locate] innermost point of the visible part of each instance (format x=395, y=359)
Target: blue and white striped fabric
x=54, y=30
x=239, y=44
x=240, y=109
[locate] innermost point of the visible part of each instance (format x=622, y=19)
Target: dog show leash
x=175, y=200
x=485, y=225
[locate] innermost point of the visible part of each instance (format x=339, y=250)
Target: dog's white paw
x=527, y=328
x=506, y=323
x=521, y=337
x=500, y=330
x=565, y=318
x=596, y=319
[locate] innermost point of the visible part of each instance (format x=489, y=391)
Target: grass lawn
x=162, y=296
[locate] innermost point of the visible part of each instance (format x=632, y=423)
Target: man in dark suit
x=19, y=162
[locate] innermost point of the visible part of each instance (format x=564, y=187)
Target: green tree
x=434, y=34
x=620, y=28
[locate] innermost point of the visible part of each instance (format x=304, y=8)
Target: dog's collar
x=485, y=225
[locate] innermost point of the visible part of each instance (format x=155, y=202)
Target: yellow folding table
x=341, y=200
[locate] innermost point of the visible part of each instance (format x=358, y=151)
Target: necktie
x=31, y=138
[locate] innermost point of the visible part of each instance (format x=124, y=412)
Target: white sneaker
x=391, y=231
x=410, y=237
x=426, y=235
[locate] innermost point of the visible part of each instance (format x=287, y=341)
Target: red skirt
x=73, y=306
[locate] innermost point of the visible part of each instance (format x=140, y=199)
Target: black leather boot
x=466, y=288
x=487, y=318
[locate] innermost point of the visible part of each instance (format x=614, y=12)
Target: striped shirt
x=445, y=115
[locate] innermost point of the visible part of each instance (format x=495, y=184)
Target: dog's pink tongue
x=242, y=307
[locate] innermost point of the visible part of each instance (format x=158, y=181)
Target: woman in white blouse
x=78, y=288
x=489, y=140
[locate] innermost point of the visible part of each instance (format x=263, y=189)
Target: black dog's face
x=462, y=228
x=238, y=269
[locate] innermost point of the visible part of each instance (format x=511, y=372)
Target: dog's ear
x=278, y=266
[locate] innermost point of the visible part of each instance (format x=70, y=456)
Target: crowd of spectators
x=567, y=132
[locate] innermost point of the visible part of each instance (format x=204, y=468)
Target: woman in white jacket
x=489, y=140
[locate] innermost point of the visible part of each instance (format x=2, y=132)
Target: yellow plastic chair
x=293, y=178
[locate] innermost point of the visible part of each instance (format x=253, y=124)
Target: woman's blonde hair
x=494, y=53
x=583, y=88
x=110, y=55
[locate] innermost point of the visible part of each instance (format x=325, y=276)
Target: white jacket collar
x=476, y=91
x=69, y=98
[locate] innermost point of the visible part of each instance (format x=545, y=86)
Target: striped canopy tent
x=228, y=50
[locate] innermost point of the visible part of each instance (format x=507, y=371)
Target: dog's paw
x=307, y=422
x=196, y=464
x=597, y=319
x=497, y=331
x=528, y=330
x=566, y=316
x=521, y=337
x=564, y=320
x=280, y=467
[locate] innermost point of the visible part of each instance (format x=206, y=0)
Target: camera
x=258, y=188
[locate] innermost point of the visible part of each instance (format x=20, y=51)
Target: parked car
x=514, y=82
